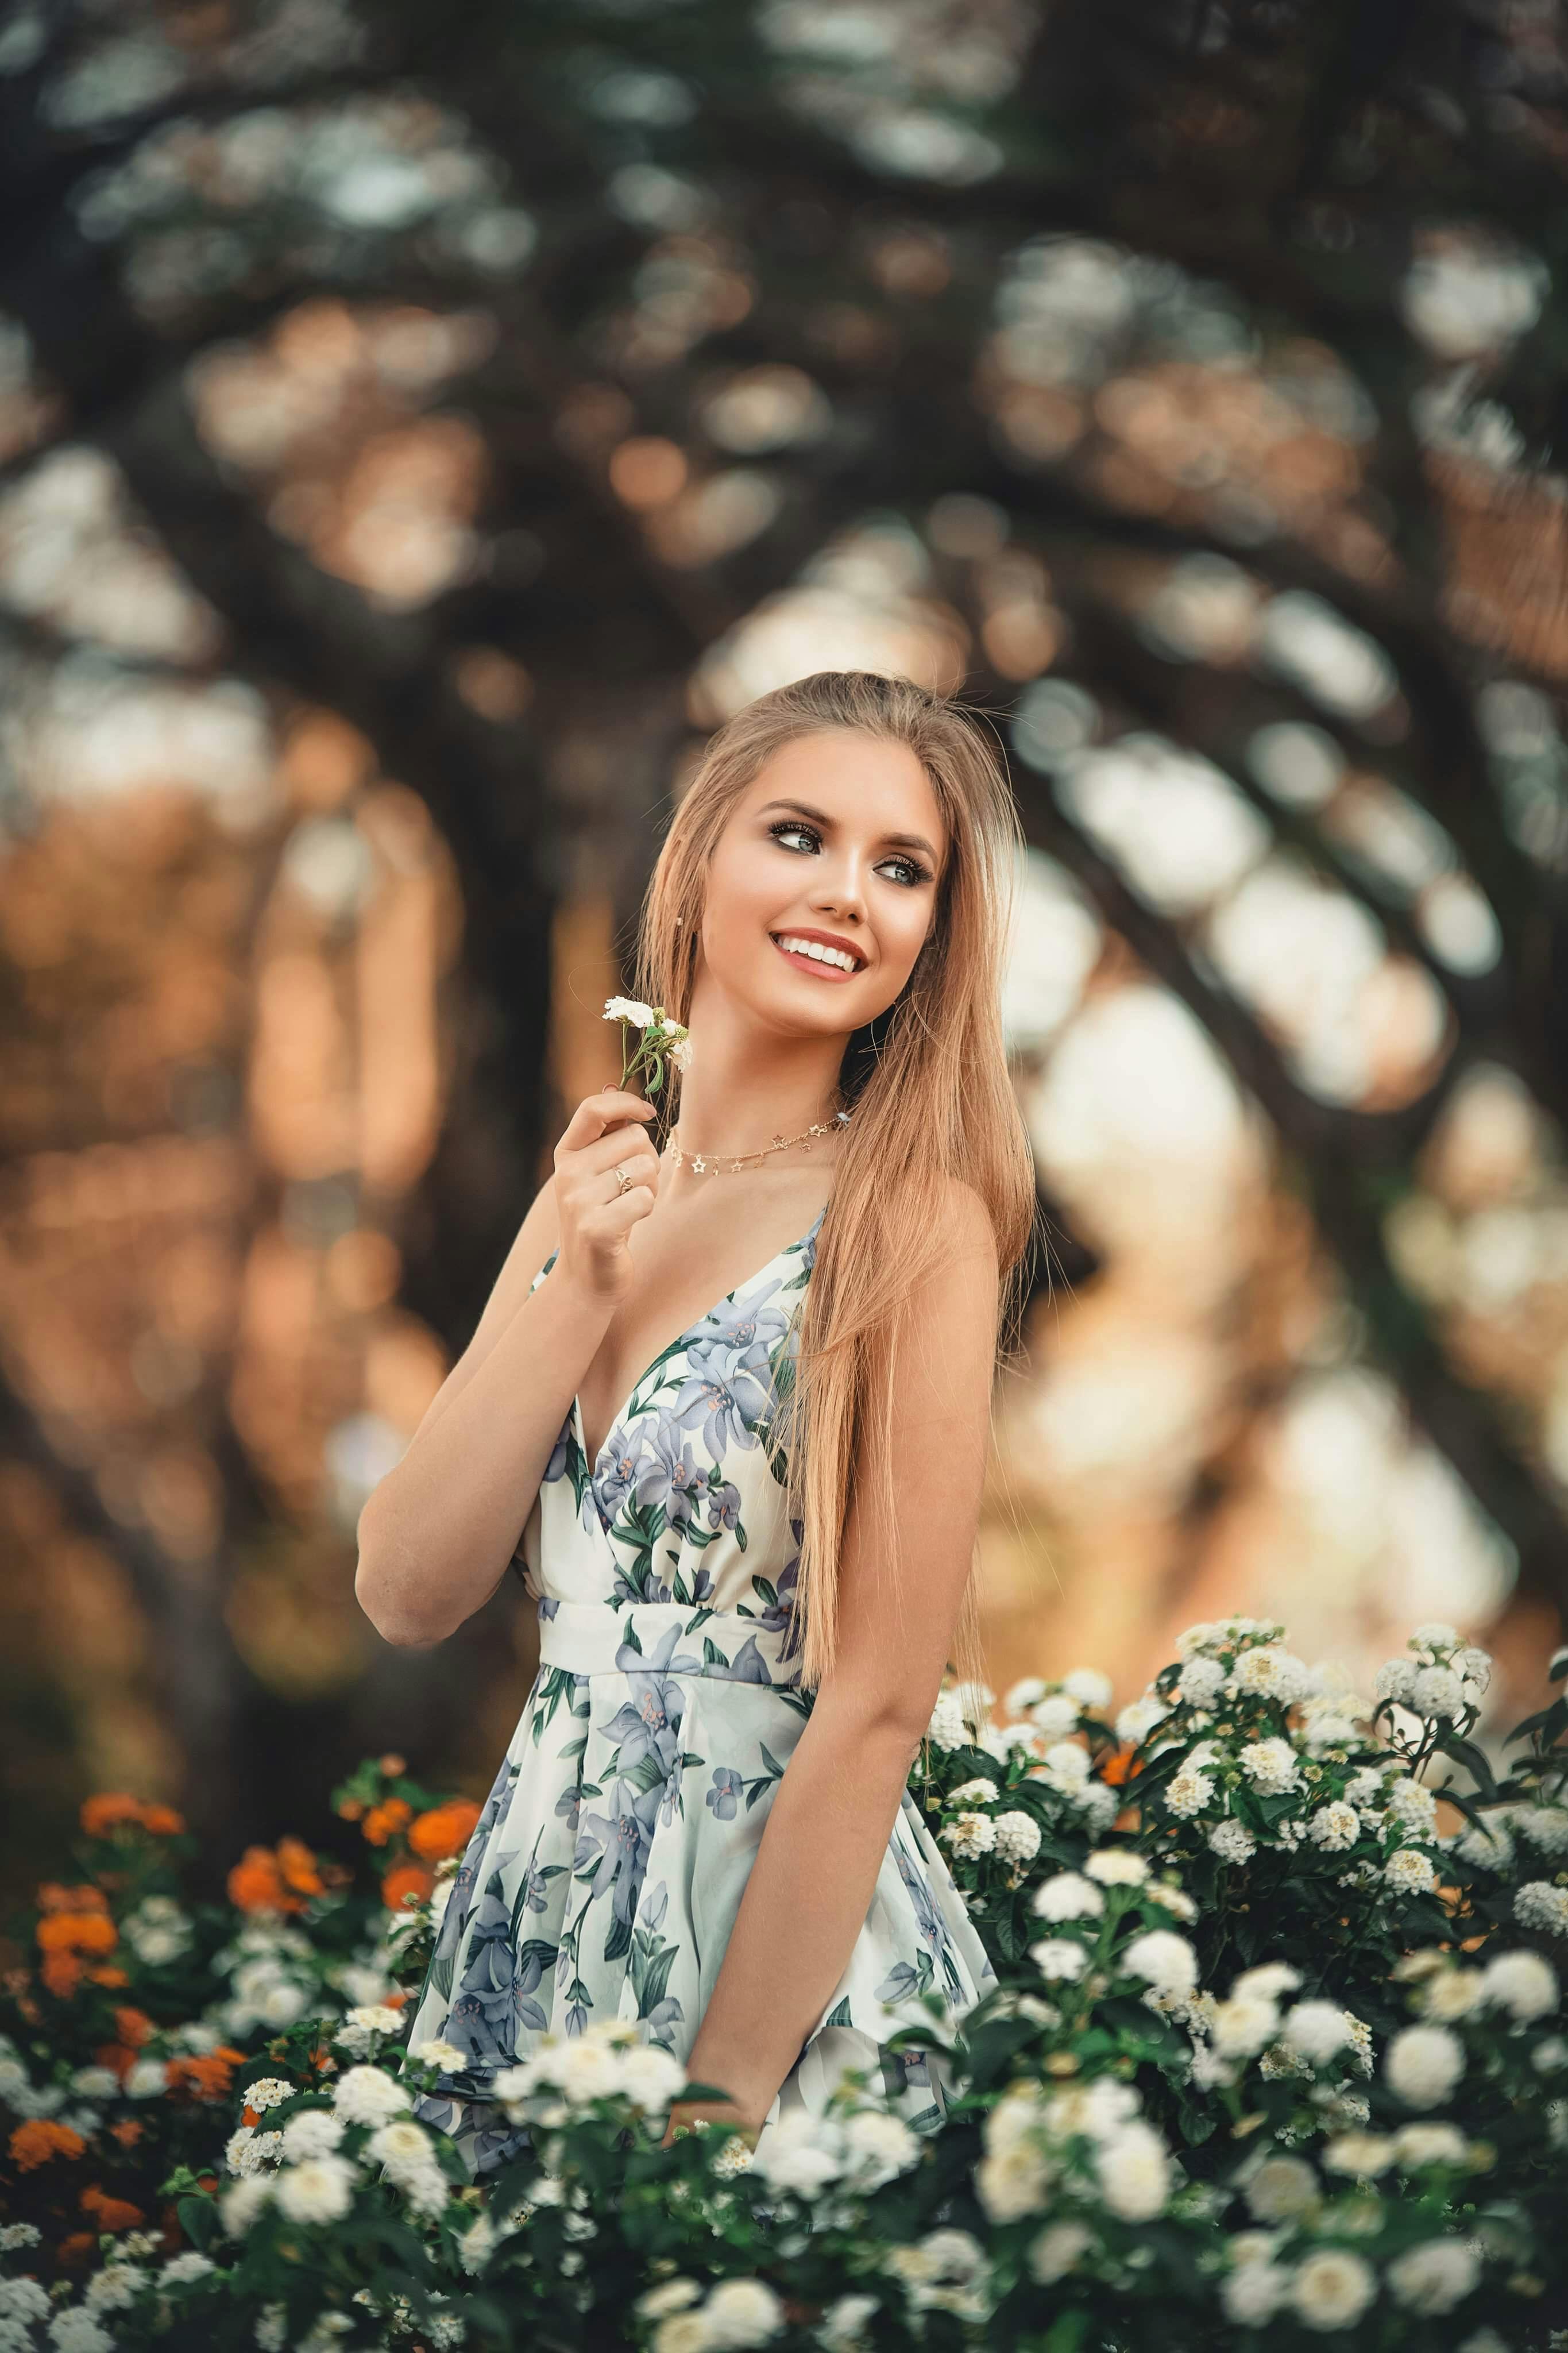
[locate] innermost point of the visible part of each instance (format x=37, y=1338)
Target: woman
x=750, y=1544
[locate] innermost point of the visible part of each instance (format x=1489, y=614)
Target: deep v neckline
x=745, y=1283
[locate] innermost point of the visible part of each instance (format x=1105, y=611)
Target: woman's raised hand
x=607, y=1131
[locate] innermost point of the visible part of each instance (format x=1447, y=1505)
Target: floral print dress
x=606, y=1868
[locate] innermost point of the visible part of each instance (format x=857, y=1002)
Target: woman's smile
x=825, y=964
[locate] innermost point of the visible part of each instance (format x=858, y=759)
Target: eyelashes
x=918, y=872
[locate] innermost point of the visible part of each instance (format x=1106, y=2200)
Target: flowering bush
x=1278, y=2044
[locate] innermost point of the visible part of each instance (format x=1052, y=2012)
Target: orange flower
x=382, y=1821
x=393, y=1766
x=53, y=1897
x=268, y=1881
x=162, y=1821
x=74, y=2253
x=113, y=2213
x=298, y=1866
x=351, y=1809
x=254, y=1885
x=404, y=1879
x=77, y=1931
x=444, y=1830
x=1117, y=1767
x=127, y=2132
x=132, y=2026
x=40, y=2138
x=106, y=1812
x=62, y=1972
x=110, y=1978
x=207, y=2074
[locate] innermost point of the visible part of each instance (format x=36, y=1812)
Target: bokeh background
x=419, y=425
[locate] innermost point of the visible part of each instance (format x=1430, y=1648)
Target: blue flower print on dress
x=668, y=1473
x=721, y=1397
x=646, y=1728
x=750, y=1330
x=613, y=1848
x=485, y=2012
x=779, y=1613
x=724, y=1504
x=616, y=1470
x=595, y=1886
x=747, y=1666
x=459, y=1901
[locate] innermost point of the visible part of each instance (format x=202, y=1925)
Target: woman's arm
x=437, y=1532
x=811, y=1885
x=436, y=1536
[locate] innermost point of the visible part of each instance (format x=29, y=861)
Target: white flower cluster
x=608, y=2061
x=1089, y=2144
x=1067, y=1771
x=854, y=2152
x=249, y=2151
x=734, y=2313
x=305, y=2170
x=1328, y=2287
x=947, y=2271
x=365, y=2026
x=273, y=1977
x=1443, y=1679
x=157, y=1931
x=1540, y=1905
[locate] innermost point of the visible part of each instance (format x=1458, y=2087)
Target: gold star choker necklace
x=707, y=1164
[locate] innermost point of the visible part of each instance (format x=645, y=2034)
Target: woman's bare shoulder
x=966, y=1229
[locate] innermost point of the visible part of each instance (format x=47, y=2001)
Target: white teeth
x=816, y=949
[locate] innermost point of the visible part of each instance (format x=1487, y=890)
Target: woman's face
x=837, y=843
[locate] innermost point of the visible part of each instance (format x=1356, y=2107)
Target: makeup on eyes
x=919, y=873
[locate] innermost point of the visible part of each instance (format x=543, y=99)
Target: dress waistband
x=665, y=1638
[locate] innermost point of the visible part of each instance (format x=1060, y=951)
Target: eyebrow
x=820, y=817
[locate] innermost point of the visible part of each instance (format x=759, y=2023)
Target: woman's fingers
x=606, y=1132
x=596, y=1113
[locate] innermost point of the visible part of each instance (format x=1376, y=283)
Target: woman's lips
x=813, y=964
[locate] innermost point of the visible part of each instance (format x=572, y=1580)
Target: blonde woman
x=749, y=1525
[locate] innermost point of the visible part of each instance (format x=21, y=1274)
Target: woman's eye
x=913, y=872
x=779, y=831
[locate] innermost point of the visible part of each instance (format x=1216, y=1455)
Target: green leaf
x=1475, y=1762
x=657, y=1980
x=198, y=2220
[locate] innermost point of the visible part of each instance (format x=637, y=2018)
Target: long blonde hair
x=929, y=1088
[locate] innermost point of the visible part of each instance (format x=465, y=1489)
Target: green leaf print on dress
x=603, y=1875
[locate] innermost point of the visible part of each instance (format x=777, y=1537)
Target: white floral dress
x=605, y=1871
